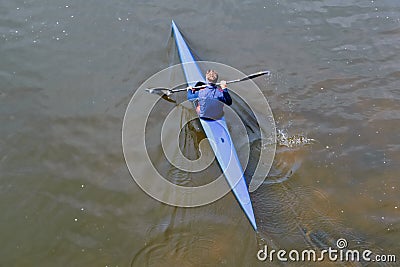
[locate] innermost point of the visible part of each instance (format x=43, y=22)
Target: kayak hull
x=218, y=134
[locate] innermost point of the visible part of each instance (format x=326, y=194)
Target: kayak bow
x=217, y=131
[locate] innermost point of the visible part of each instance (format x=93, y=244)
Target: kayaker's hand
x=223, y=84
x=190, y=88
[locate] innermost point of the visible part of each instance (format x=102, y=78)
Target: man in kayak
x=211, y=99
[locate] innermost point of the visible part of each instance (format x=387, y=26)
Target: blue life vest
x=210, y=105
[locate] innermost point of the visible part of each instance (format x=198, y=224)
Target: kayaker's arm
x=192, y=95
x=226, y=98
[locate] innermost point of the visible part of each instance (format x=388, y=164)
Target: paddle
x=166, y=91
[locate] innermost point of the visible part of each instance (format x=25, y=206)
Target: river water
x=68, y=70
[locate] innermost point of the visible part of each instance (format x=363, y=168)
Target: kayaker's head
x=212, y=76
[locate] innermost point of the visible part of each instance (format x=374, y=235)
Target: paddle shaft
x=248, y=77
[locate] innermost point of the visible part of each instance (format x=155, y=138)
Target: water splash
x=283, y=139
x=289, y=155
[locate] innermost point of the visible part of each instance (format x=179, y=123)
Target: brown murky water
x=69, y=68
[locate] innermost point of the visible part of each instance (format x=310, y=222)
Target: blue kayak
x=217, y=131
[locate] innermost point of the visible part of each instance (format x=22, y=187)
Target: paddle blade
x=159, y=91
x=255, y=75
x=163, y=92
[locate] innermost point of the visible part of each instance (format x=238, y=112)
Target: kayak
x=217, y=131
